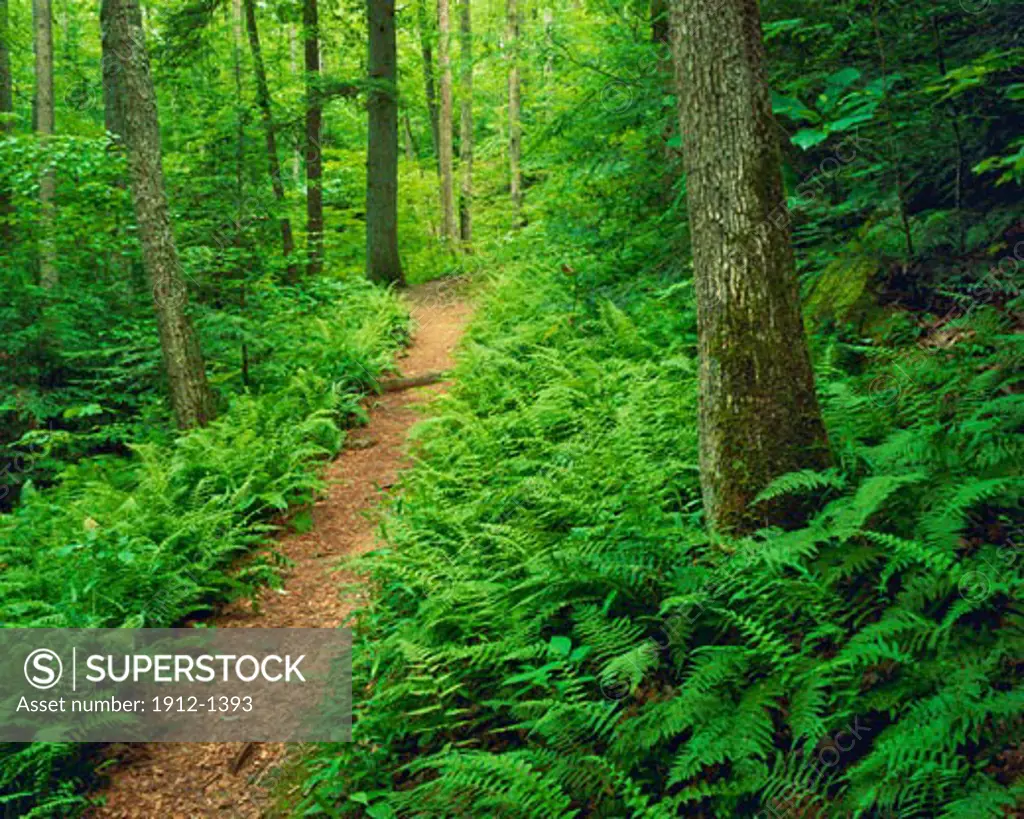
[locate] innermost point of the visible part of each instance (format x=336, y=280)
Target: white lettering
x=289, y=667
x=263, y=668
x=255, y=668
x=183, y=660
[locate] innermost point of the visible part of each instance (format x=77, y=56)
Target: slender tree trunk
x=190, y=395
x=266, y=112
x=6, y=125
x=113, y=122
x=382, y=261
x=514, y=127
x=549, y=43
x=314, y=158
x=759, y=415
x=410, y=144
x=466, y=124
x=113, y=95
x=427, y=29
x=241, y=269
x=43, y=25
x=293, y=60
x=236, y=64
x=445, y=122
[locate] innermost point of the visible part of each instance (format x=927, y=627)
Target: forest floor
x=186, y=780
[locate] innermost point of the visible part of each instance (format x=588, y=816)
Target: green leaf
x=835, y=84
x=793, y=109
x=846, y=123
x=82, y=411
x=841, y=79
x=560, y=646
x=807, y=138
x=302, y=521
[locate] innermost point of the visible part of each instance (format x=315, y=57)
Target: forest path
x=187, y=780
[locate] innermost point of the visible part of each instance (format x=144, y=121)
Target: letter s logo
x=39, y=668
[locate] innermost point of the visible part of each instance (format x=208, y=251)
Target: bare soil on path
x=187, y=780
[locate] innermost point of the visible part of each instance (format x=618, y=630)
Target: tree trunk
x=266, y=112
x=293, y=62
x=183, y=362
x=113, y=122
x=314, y=159
x=410, y=144
x=427, y=29
x=241, y=269
x=113, y=96
x=759, y=415
x=236, y=64
x=444, y=130
x=514, y=127
x=43, y=25
x=466, y=124
x=382, y=261
x=6, y=125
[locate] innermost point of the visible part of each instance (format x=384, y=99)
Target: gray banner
x=175, y=685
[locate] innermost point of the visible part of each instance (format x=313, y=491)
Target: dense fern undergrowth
x=555, y=634
x=143, y=541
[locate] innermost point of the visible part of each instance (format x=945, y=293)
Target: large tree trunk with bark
x=266, y=113
x=190, y=395
x=44, y=111
x=466, y=124
x=382, y=262
x=445, y=151
x=427, y=30
x=314, y=158
x=515, y=134
x=6, y=125
x=759, y=415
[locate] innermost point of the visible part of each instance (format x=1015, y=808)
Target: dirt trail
x=182, y=781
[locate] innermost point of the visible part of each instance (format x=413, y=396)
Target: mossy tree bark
x=314, y=159
x=759, y=415
x=267, y=114
x=382, y=260
x=445, y=150
x=190, y=394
